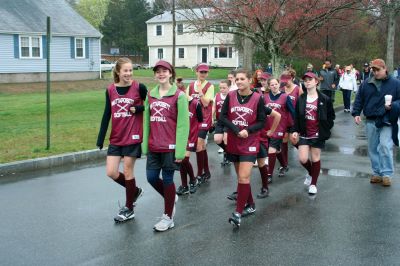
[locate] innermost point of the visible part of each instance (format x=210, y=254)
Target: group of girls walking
x=254, y=121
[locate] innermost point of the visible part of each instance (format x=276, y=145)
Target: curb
x=61, y=160
x=52, y=161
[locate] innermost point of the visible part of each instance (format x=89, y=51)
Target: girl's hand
x=269, y=133
x=243, y=134
x=132, y=109
x=294, y=138
x=178, y=161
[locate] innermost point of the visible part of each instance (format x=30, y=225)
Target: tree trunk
x=276, y=60
x=390, y=40
x=248, y=52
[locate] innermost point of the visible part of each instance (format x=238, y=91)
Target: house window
x=179, y=29
x=30, y=46
x=181, y=52
x=79, y=48
x=223, y=52
x=160, y=53
x=158, y=30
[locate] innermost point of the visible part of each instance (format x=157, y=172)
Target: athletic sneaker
x=193, y=187
x=282, y=171
x=206, y=176
x=139, y=193
x=307, y=181
x=248, y=210
x=232, y=196
x=312, y=190
x=164, y=224
x=220, y=150
x=124, y=214
x=235, y=219
x=201, y=179
x=263, y=193
x=182, y=190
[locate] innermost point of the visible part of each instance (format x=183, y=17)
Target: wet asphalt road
x=65, y=217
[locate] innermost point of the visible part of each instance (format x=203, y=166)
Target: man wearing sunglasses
x=373, y=99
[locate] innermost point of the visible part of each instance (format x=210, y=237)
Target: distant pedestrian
x=268, y=69
x=347, y=84
x=231, y=78
x=124, y=106
x=312, y=127
x=328, y=77
x=165, y=138
x=374, y=98
x=365, y=73
x=256, y=81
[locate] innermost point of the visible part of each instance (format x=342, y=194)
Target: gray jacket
x=330, y=77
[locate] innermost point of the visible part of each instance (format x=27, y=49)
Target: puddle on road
x=359, y=150
x=343, y=173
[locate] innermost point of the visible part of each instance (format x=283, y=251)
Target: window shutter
x=72, y=47
x=16, y=46
x=87, y=47
x=44, y=46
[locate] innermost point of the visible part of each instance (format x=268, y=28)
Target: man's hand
x=357, y=119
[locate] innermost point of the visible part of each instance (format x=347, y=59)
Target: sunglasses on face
x=203, y=72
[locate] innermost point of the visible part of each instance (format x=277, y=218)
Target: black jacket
x=326, y=116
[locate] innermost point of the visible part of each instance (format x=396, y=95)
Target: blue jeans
x=380, y=149
x=346, y=98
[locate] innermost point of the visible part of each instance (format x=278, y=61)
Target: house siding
x=60, y=56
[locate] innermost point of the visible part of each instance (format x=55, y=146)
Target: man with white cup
x=374, y=99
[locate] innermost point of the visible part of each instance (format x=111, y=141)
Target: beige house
x=215, y=49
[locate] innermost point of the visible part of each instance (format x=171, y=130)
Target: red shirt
x=278, y=105
x=312, y=119
x=194, y=124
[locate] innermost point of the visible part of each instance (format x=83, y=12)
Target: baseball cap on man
x=164, y=64
x=366, y=64
x=310, y=75
x=202, y=67
x=378, y=63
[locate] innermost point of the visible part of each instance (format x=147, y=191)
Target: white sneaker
x=312, y=190
x=164, y=224
x=307, y=181
x=220, y=150
x=174, y=209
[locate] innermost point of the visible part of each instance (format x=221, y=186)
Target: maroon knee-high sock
x=206, y=169
x=169, y=199
x=158, y=186
x=279, y=156
x=243, y=191
x=200, y=162
x=284, y=152
x=307, y=165
x=264, y=176
x=315, y=168
x=130, y=189
x=250, y=199
x=183, y=172
x=189, y=169
x=271, y=163
x=120, y=179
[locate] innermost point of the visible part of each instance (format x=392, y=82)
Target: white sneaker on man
x=307, y=181
x=312, y=190
x=164, y=224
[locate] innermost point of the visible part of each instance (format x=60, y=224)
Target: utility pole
x=48, y=38
x=173, y=33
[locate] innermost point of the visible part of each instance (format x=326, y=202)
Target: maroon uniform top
x=278, y=105
x=218, y=104
x=311, y=120
x=163, y=117
x=294, y=96
x=243, y=115
x=194, y=124
x=127, y=128
x=207, y=111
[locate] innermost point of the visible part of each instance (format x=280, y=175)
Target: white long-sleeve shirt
x=348, y=82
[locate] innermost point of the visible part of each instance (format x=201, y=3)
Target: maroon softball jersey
x=243, y=115
x=278, y=105
x=163, y=119
x=207, y=111
x=127, y=128
x=218, y=104
x=312, y=119
x=194, y=124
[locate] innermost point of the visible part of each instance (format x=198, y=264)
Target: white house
x=75, y=44
x=215, y=49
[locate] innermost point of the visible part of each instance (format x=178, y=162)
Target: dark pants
x=346, y=99
x=330, y=94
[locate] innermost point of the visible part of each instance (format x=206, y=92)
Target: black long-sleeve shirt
x=199, y=112
x=107, y=111
x=262, y=111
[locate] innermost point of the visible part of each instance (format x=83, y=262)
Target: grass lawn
x=76, y=111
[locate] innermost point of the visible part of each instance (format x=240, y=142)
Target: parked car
x=106, y=65
x=136, y=66
x=146, y=66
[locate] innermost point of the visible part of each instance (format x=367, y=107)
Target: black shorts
x=275, y=143
x=263, y=153
x=192, y=149
x=220, y=129
x=315, y=143
x=203, y=133
x=241, y=158
x=133, y=150
x=161, y=160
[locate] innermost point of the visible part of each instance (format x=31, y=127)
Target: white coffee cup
x=388, y=100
